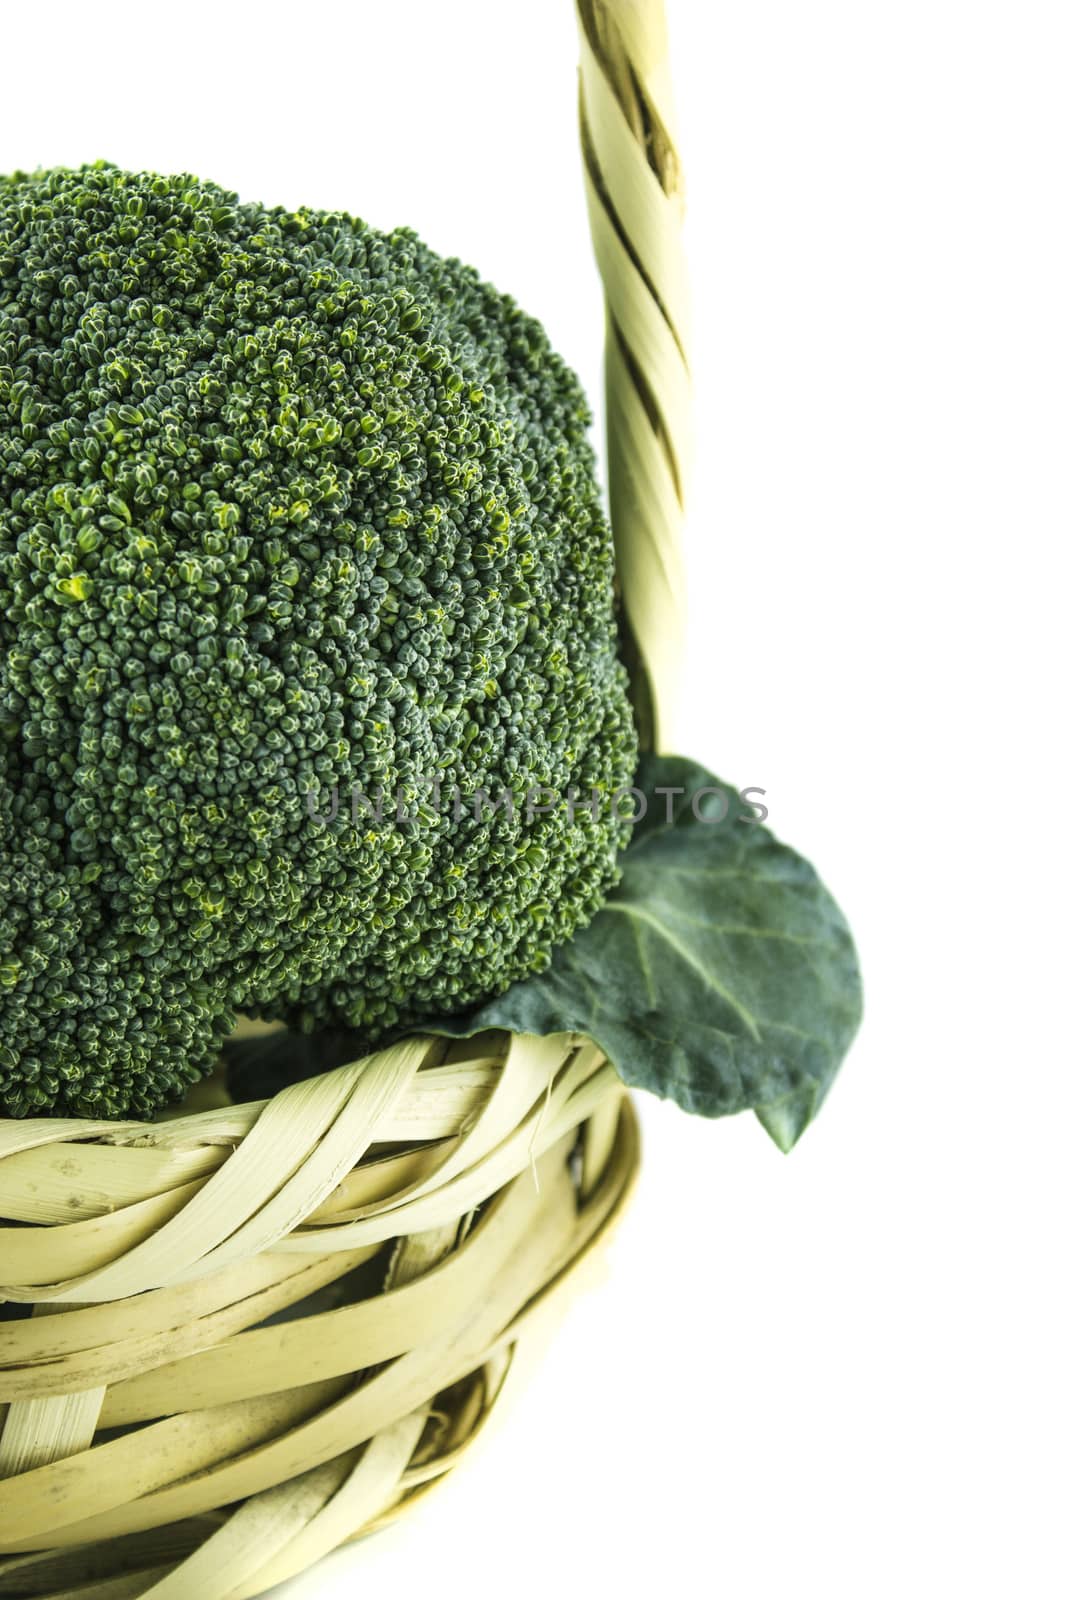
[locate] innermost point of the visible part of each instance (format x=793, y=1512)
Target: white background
x=836, y=1375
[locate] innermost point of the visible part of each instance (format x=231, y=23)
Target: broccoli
x=287, y=506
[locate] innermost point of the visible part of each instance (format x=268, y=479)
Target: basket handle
x=633, y=182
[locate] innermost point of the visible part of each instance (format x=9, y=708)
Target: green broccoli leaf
x=720, y=973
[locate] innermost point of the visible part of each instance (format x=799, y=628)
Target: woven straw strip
x=293, y=1158
x=142, y=1480
x=345, y=1493
x=634, y=190
x=278, y=1533
x=57, y=1573
x=125, y=1357
x=41, y=1430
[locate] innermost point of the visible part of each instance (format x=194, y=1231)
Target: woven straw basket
x=415, y=1215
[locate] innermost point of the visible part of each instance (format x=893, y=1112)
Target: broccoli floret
x=287, y=505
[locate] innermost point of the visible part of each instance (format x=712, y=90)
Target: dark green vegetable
x=284, y=504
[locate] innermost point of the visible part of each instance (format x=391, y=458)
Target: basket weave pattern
x=240, y=1336
x=418, y=1211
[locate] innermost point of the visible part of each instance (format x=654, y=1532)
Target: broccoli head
x=290, y=510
